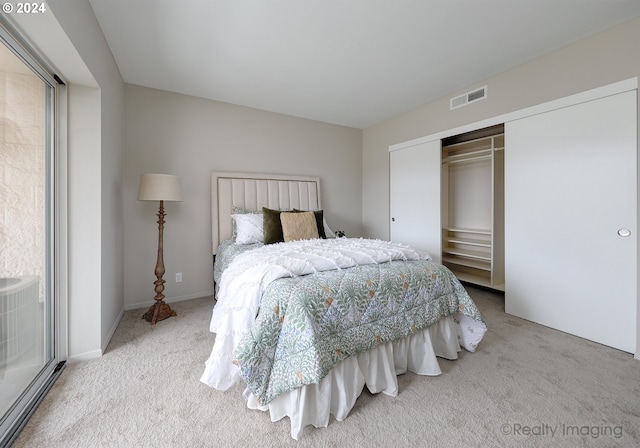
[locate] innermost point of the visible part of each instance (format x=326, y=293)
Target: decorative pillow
x=299, y=226
x=249, y=228
x=235, y=210
x=319, y=221
x=272, y=226
x=323, y=227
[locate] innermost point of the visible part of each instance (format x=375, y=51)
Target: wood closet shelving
x=473, y=208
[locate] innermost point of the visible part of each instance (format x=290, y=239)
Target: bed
x=307, y=323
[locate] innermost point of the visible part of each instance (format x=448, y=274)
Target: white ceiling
x=348, y=62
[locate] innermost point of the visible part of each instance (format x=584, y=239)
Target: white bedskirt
x=377, y=369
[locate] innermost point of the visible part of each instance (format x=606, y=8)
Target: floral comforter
x=362, y=293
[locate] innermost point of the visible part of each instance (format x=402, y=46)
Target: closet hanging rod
x=467, y=160
x=486, y=150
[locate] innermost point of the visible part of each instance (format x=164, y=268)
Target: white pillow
x=327, y=231
x=249, y=228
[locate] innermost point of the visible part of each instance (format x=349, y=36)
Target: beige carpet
x=527, y=385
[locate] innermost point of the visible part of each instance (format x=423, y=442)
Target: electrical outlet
x=178, y=277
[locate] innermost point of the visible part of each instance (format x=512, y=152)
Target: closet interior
x=473, y=206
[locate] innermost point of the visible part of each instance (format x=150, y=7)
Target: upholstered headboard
x=254, y=191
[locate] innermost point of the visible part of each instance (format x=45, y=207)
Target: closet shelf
x=474, y=254
x=468, y=241
x=476, y=264
x=468, y=230
x=479, y=280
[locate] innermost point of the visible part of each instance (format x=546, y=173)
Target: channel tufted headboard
x=253, y=191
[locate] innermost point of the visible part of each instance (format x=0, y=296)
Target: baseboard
x=105, y=343
x=84, y=356
x=147, y=304
x=96, y=353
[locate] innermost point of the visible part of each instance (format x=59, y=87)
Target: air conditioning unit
x=468, y=98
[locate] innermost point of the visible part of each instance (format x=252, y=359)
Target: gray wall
x=102, y=243
x=603, y=59
x=606, y=58
x=191, y=137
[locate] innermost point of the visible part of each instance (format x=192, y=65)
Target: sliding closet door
x=415, y=186
x=570, y=219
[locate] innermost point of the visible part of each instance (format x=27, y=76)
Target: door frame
x=56, y=213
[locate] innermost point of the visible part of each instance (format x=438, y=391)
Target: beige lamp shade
x=160, y=187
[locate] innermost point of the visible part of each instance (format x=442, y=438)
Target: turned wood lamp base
x=158, y=311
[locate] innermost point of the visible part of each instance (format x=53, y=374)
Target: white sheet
x=247, y=276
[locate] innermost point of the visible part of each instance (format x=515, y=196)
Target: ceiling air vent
x=467, y=98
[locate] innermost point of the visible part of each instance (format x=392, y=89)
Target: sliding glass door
x=28, y=355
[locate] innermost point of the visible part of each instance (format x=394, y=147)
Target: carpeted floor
x=527, y=385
